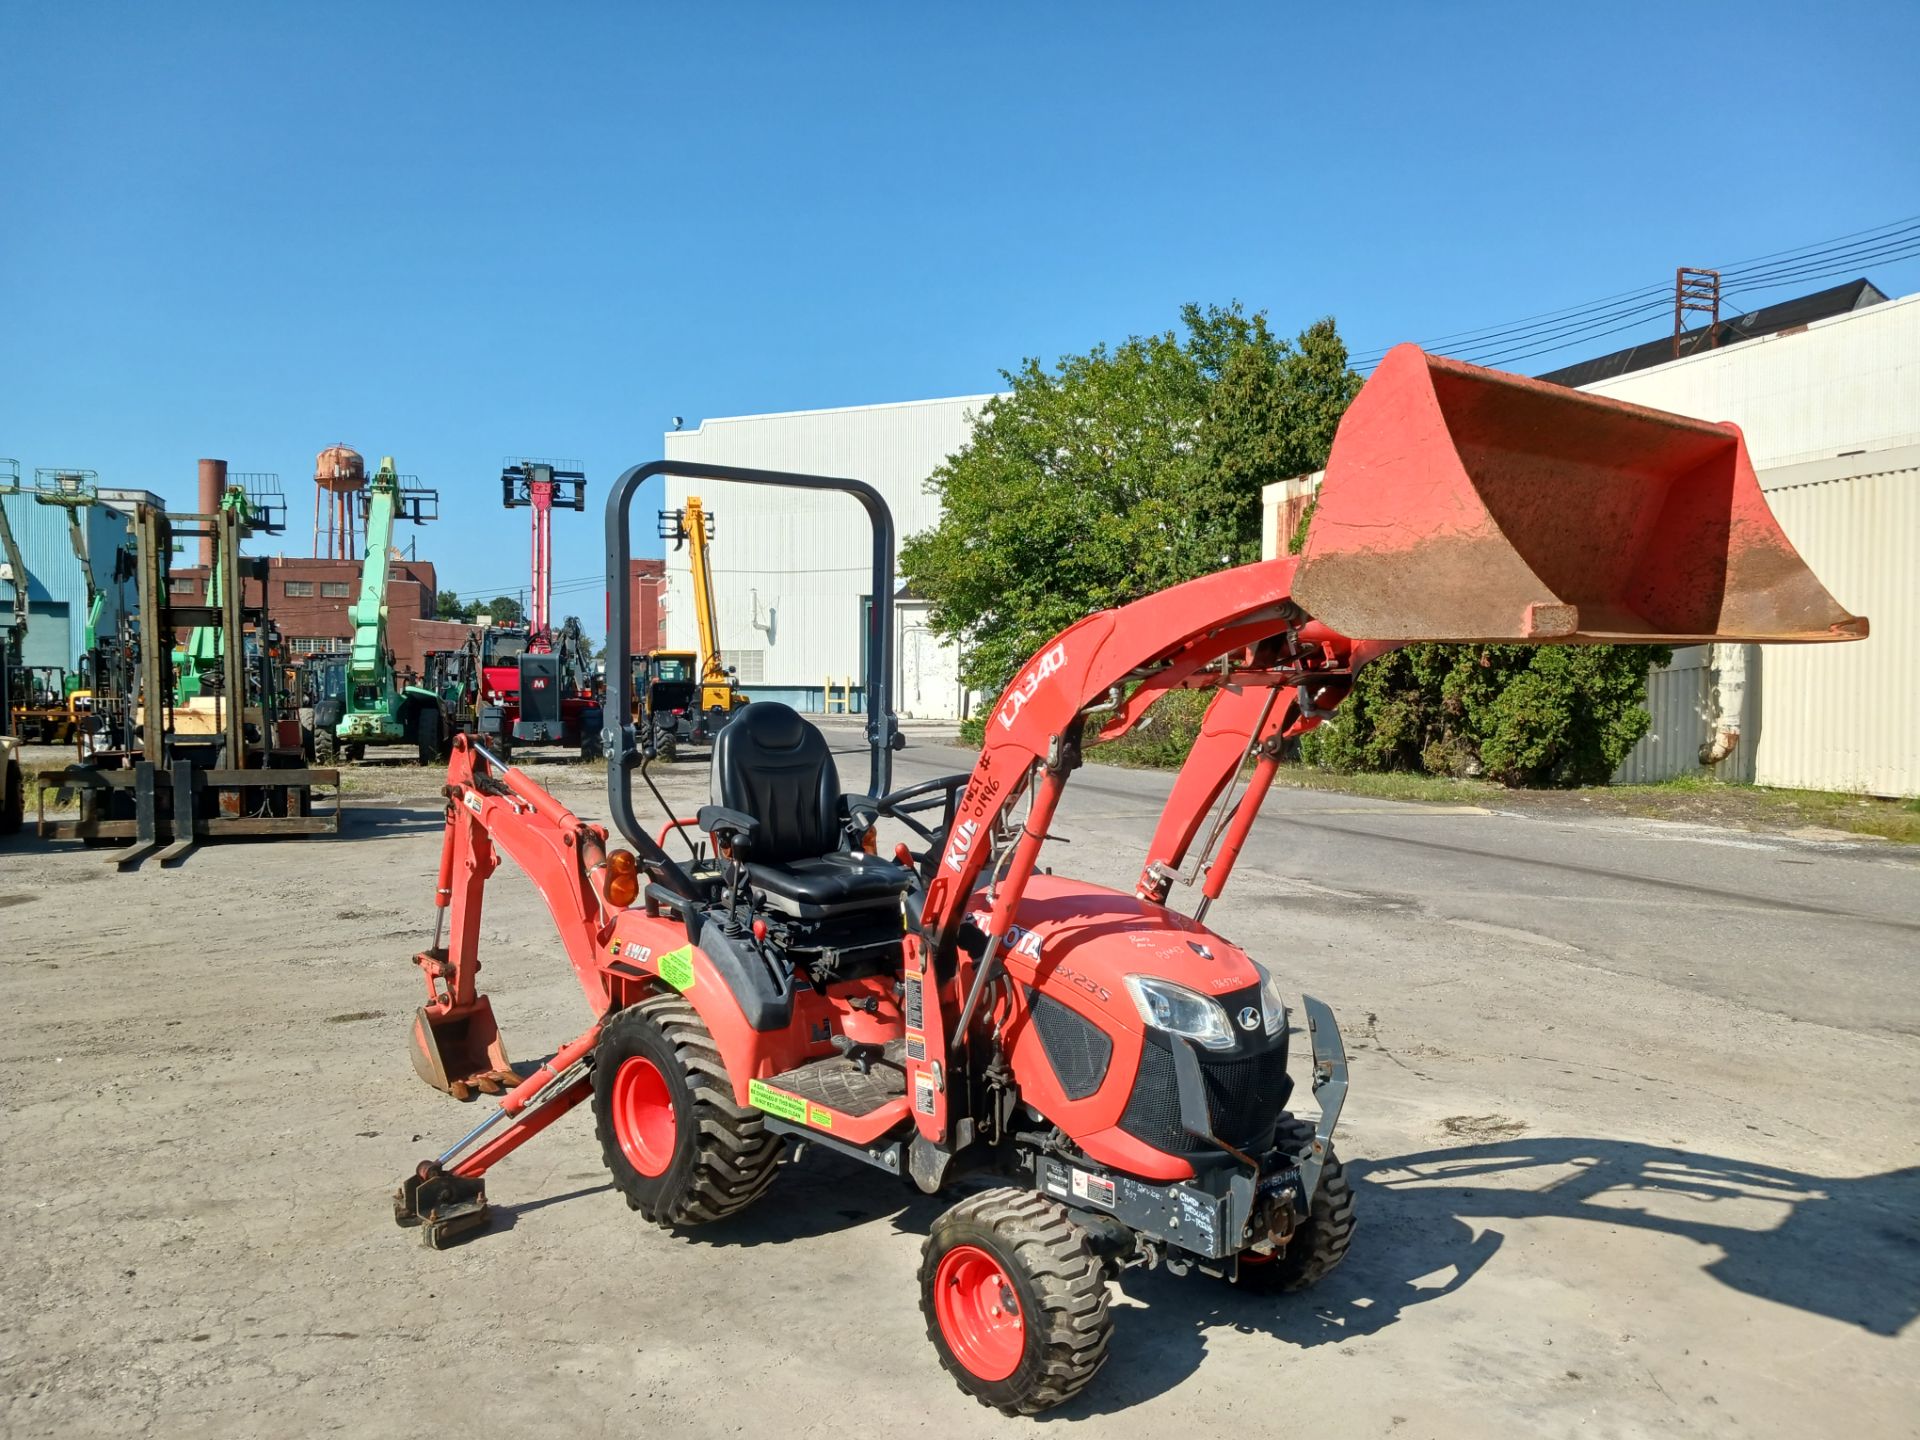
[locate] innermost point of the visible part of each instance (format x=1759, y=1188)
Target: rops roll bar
x=883, y=730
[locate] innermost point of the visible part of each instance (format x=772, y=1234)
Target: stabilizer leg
x=446, y=1198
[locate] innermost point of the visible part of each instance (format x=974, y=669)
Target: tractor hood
x=1081, y=938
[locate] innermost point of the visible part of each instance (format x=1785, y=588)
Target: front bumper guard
x=1209, y=1215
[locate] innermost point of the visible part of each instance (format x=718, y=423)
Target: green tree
x=1117, y=473
x=505, y=610
x=447, y=605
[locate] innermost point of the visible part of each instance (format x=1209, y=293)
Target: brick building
x=646, y=598
x=310, y=601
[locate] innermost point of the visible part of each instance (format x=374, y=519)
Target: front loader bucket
x=462, y=1054
x=1471, y=505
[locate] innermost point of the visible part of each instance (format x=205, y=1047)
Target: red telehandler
x=1117, y=1068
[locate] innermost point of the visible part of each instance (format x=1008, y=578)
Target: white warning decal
x=1092, y=1189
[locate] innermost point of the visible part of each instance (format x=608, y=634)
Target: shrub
x=1519, y=714
x=1163, y=739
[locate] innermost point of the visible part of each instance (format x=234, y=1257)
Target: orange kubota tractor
x=1116, y=1070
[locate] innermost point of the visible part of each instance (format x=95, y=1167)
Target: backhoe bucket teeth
x=1464, y=504
x=462, y=1054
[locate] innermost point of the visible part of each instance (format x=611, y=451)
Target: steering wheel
x=905, y=805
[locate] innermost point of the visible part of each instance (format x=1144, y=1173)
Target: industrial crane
x=669, y=712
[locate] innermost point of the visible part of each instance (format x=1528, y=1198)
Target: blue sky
x=458, y=232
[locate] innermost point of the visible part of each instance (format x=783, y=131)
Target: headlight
x=1180, y=1011
x=1273, y=1003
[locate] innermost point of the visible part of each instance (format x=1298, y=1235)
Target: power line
x=1886, y=242
x=1906, y=231
x=1856, y=248
x=1911, y=251
x=1574, y=334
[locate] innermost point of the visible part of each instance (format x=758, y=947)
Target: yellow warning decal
x=763, y=1096
x=818, y=1118
x=676, y=968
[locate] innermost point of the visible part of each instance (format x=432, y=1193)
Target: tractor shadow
x=502, y=1218
x=357, y=822
x=1845, y=1249
x=824, y=1194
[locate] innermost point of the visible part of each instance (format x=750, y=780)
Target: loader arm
x=1459, y=504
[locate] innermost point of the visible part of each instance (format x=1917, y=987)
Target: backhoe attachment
x=1465, y=504
x=459, y=1049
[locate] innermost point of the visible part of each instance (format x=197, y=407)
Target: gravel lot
x=1633, y=1126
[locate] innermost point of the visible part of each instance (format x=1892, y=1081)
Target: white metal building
x=792, y=570
x=1831, y=415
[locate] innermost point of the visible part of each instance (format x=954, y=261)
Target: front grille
x=1077, y=1048
x=1245, y=1095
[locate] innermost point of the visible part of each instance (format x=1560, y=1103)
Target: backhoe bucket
x=1465, y=504
x=462, y=1054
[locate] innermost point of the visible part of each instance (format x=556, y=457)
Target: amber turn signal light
x=623, y=878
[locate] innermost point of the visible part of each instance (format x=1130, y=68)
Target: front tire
x=1015, y=1300
x=673, y=1140
x=326, y=749
x=427, y=736
x=1320, y=1241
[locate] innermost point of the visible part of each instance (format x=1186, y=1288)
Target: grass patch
x=1395, y=785
x=1768, y=808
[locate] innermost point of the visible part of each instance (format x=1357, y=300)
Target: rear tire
x=1320, y=1242
x=666, y=745
x=1015, y=1300
x=673, y=1140
x=326, y=749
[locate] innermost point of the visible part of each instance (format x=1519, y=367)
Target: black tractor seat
x=775, y=767
x=842, y=881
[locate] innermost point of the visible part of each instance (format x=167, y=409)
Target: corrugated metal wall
x=1847, y=717
x=791, y=570
x=1677, y=704
x=1831, y=416
x=1683, y=707
x=56, y=587
x=1819, y=717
